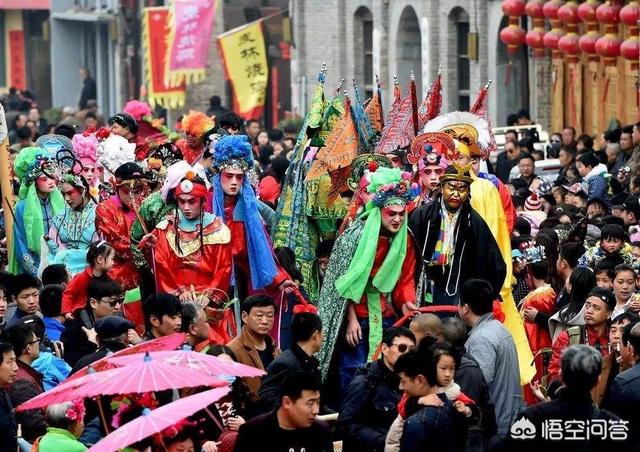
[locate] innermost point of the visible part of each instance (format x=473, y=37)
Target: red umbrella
x=170, y=342
x=155, y=421
x=188, y=359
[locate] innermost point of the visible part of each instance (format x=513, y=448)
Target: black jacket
x=76, y=343
x=7, y=423
x=288, y=361
x=503, y=167
x=567, y=407
x=102, y=351
x=263, y=433
x=369, y=408
x=476, y=255
x=624, y=399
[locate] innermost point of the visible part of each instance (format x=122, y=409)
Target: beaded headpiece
x=365, y=164
x=31, y=163
x=392, y=187
x=233, y=151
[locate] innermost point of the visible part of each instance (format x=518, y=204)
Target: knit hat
x=605, y=295
x=533, y=202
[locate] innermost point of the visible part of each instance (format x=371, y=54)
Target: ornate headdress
x=85, y=146
x=531, y=253
x=233, y=151
x=115, y=151
x=52, y=143
x=30, y=164
x=177, y=173
x=197, y=123
x=470, y=131
x=457, y=172
x=137, y=109
x=440, y=143
x=365, y=164
x=392, y=187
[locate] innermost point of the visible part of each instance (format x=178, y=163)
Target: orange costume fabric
x=113, y=224
x=204, y=268
x=405, y=289
x=544, y=300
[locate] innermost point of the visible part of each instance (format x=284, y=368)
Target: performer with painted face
x=254, y=265
x=454, y=242
x=370, y=277
x=73, y=229
x=39, y=201
x=431, y=152
x=115, y=216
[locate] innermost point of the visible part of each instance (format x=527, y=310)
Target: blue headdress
x=235, y=151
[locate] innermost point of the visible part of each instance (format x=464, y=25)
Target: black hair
x=215, y=101
x=189, y=313
x=605, y=266
x=571, y=252
x=5, y=347
x=35, y=322
x=414, y=363
x=633, y=339
x=548, y=238
x=275, y=134
x=442, y=348
x=522, y=226
x=324, y=248
x=23, y=132
x=219, y=349
x=613, y=232
x=19, y=335
x=587, y=140
x=66, y=130
x=626, y=315
x=51, y=300
x=569, y=150
x=186, y=432
x=478, y=295
x=396, y=331
x=96, y=249
x=539, y=270
x=526, y=155
x=102, y=287
x=55, y=274
x=158, y=305
x=90, y=114
x=304, y=325
x=523, y=113
x=582, y=280
x=589, y=159
x=296, y=382
x=230, y=120
x=257, y=301
x=627, y=130
x=526, y=143
x=624, y=268
x=23, y=281
x=287, y=259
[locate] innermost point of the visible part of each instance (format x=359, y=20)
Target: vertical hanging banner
x=17, y=74
x=244, y=54
x=154, y=43
x=190, y=27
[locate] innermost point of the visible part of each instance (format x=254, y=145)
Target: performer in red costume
x=192, y=254
x=255, y=268
x=114, y=217
x=197, y=127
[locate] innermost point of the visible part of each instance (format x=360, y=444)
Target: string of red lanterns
x=513, y=35
x=568, y=44
x=551, y=38
x=587, y=42
x=630, y=49
x=608, y=46
x=535, y=37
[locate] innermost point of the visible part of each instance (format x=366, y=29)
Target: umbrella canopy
x=66, y=391
x=188, y=359
x=154, y=421
x=170, y=342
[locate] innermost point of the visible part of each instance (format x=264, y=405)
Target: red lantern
x=513, y=35
x=608, y=46
x=587, y=42
x=568, y=44
x=630, y=49
x=535, y=38
x=551, y=38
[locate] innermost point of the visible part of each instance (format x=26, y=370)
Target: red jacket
x=562, y=342
x=75, y=295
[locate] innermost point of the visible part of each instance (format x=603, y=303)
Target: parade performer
x=39, y=201
x=431, y=152
x=370, y=277
x=455, y=242
x=113, y=151
x=192, y=251
x=115, y=216
x=124, y=125
x=85, y=147
x=197, y=126
x=255, y=268
x=73, y=229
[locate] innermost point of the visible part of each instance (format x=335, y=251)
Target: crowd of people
x=399, y=293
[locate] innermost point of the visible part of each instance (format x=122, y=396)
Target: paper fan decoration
x=469, y=128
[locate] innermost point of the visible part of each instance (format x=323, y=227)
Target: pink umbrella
x=154, y=421
x=170, y=342
x=188, y=359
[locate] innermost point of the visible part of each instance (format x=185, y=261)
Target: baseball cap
x=112, y=326
x=605, y=295
x=632, y=204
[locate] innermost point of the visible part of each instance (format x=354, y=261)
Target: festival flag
x=374, y=108
x=154, y=44
x=244, y=55
x=432, y=102
x=190, y=27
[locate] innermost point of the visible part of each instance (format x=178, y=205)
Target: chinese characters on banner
x=191, y=23
x=17, y=74
x=154, y=25
x=244, y=55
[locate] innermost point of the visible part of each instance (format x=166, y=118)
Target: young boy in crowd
x=611, y=248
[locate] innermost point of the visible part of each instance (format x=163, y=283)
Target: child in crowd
x=100, y=257
x=605, y=274
x=611, y=248
x=447, y=360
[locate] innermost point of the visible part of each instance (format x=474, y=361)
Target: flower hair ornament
x=531, y=253
x=392, y=187
x=233, y=151
x=76, y=411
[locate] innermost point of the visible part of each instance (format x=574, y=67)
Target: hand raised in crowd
x=91, y=334
x=235, y=422
x=634, y=303
x=133, y=337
